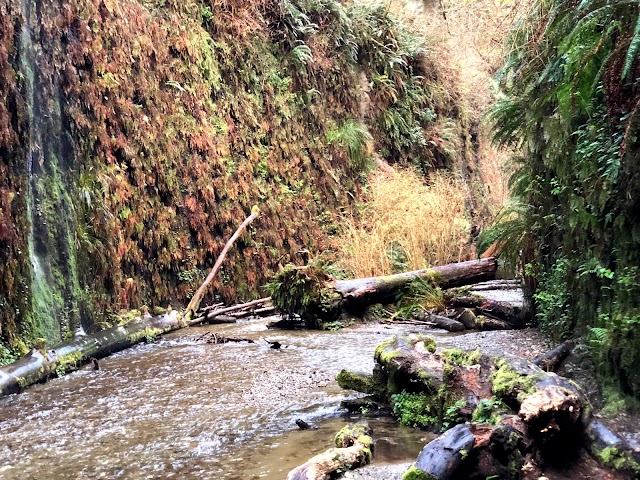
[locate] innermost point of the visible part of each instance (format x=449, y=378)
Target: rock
x=442, y=457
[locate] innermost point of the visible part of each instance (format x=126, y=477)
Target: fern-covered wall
x=573, y=108
x=176, y=117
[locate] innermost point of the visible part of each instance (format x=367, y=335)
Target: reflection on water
x=183, y=409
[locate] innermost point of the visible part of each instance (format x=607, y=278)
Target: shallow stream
x=180, y=408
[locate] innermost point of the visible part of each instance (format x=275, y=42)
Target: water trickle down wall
x=50, y=212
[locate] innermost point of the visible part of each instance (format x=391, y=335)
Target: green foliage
x=485, y=412
x=355, y=138
x=7, y=355
x=420, y=294
x=452, y=416
x=415, y=409
x=619, y=460
x=571, y=107
x=304, y=291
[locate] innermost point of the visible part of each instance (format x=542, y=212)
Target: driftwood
x=216, y=338
x=215, y=314
x=365, y=291
x=194, y=304
x=354, y=449
x=512, y=314
x=446, y=323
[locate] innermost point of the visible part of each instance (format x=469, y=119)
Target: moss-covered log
x=40, y=365
x=310, y=293
x=354, y=449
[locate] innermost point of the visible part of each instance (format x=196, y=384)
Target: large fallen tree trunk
x=310, y=293
x=38, y=366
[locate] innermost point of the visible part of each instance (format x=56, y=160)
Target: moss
x=384, y=352
x=159, y=310
x=360, y=383
x=415, y=473
x=149, y=334
x=509, y=384
x=429, y=342
x=353, y=433
x=462, y=358
x=619, y=460
x=126, y=316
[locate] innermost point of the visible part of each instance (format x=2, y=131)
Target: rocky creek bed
x=182, y=408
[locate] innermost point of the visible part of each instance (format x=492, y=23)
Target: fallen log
x=512, y=314
x=317, y=298
x=194, y=304
x=38, y=366
x=445, y=323
x=354, y=449
x=550, y=360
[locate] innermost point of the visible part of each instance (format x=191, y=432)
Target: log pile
x=513, y=417
x=309, y=293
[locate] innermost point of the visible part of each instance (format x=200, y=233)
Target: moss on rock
x=415, y=473
x=509, y=384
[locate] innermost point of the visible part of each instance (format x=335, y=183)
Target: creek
x=179, y=408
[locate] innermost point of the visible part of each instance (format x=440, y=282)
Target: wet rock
x=302, y=425
x=369, y=384
x=365, y=406
x=442, y=457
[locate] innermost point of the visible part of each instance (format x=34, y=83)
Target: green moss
x=462, y=358
x=429, y=342
x=416, y=409
x=68, y=363
x=415, y=473
x=360, y=383
x=614, y=458
x=149, y=334
x=507, y=383
x=353, y=433
x=384, y=352
x=126, y=316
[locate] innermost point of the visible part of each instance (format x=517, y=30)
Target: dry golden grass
x=423, y=224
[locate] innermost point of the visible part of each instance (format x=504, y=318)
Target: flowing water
x=180, y=408
x=48, y=166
